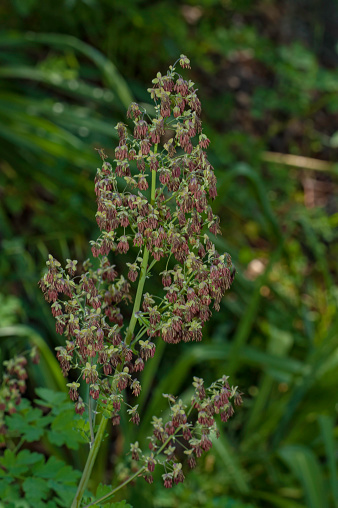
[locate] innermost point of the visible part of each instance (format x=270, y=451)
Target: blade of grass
x=74, y=88
x=245, y=325
x=304, y=465
x=108, y=69
x=327, y=430
x=233, y=469
x=279, y=345
x=316, y=360
x=276, y=500
x=243, y=169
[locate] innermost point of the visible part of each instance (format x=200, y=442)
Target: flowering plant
x=153, y=200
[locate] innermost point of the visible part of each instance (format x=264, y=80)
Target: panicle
x=152, y=203
x=166, y=443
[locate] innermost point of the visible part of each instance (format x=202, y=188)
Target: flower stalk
x=90, y=463
x=167, y=154
x=185, y=430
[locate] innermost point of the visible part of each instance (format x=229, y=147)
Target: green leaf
x=103, y=490
x=28, y=458
x=63, y=431
x=8, y=490
x=36, y=489
x=108, y=69
x=50, y=398
x=234, y=470
x=83, y=428
x=64, y=492
x=304, y=464
x=120, y=504
x=19, y=464
x=57, y=470
x=30, y=424
x=276, y=500
x=327, y=430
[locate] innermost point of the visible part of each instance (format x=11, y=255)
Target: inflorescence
x=154, y=201
x=178, y=434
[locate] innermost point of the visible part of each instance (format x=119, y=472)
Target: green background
x=268, y=81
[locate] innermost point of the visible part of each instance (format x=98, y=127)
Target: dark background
x=268, y=81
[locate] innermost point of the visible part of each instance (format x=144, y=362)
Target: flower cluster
x=153, y=201
x=13, y=386
x=179, y=436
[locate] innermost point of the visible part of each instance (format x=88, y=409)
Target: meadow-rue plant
x=153, y=201
x=12, y=388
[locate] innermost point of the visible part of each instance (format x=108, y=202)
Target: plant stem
x=18, y=446
x=140, y=471
x=90, y=414
x=139, y=293
x=98, y=438
x=117, y=488
x=95, y=445
x=90, y=462
x=143, y=271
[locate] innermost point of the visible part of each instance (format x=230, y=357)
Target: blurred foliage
x=267, y=78
x=26, y=477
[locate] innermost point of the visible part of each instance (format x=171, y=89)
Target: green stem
x=152, y=264
x=90, y=414
x=139, y=293
x=90, y=463
x=140, y=471
x=129, y=335
x=18, y=446
x=139, y=335
x=153, y=186
x=117, y=488
x=98, y=438
x=143, y=271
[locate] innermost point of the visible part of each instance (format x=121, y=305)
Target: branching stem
x=90, y=463
x=141, y=470
x=90, y=415
x=96, y=443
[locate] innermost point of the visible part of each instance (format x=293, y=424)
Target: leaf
x=19, y=464
x=57, y=470
x=50, y=398
x=118, y=504
x=234, y=470
x=304, y=464
x=83, y=428
x=63, y=432
x=28, y=458
x=42, y=477
x=7, y=460
x=103, y=490
x=36, y=489
x=108, y=69
x=276, y=500
x=327, y=430
x=8, y=491
x=30, y=424
x=121, y=504
x=64, y=492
